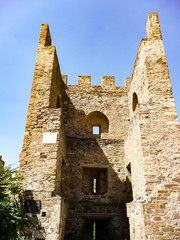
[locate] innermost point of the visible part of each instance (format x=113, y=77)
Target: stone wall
x=154, y=134
x=95, y=106
x=41, y=156
x=94, y=156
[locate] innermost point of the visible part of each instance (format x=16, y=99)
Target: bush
x=12, y=215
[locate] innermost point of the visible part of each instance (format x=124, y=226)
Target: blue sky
x=92, y=37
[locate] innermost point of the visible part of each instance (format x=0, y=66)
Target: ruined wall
x=154, y=134
x=41, y=157
x=84, y=108
x=89, y=151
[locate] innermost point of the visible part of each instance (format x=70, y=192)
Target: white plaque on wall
x=49, y=138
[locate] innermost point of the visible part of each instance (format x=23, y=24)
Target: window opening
x=135, y=101
x=94, y=185
x=94, y=231
x=94, y=180
x=96, y=130
x=43, y=214
x=97, y=229
x=96, y=123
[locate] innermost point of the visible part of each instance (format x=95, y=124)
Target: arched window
x=96, y=123
x=134, y=102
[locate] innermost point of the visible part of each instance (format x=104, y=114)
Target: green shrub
x=12, y=215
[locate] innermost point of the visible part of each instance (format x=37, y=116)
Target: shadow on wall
x=33, y=208
x=91, y=178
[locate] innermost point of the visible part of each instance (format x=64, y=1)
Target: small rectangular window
x=94, y=180
x=96, y=130
x=94, y=185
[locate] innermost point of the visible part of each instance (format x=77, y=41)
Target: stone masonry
x=102, y=162
x=1, y=161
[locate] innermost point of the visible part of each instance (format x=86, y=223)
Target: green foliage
x=12, y=215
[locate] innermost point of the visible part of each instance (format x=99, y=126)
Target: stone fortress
x=102, y=162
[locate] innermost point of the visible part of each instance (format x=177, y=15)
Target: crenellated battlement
x=108, y=82
x=84, y=80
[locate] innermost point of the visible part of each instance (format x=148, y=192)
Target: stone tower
x=102, y=162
